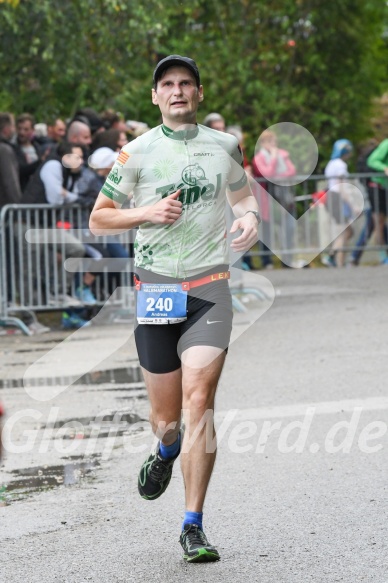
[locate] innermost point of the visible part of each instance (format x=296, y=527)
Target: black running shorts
x=209, y=323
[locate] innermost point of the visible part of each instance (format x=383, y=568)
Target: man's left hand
x=249, y=236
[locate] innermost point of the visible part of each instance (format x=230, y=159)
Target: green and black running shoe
x=155, y=475
x=196, y=547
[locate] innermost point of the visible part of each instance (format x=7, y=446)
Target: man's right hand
x=166, y=211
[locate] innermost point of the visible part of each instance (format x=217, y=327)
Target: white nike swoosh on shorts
x=214, y=322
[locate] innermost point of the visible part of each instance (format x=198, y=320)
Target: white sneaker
x=38, y=328
x=64, y=300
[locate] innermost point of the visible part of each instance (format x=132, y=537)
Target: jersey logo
x=194, y=175
x=195, y=187
x=114, y=176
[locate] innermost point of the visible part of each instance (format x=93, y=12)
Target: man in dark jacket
x=10, y=192
x=28, y=150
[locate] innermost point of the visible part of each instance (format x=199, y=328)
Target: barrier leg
x=15, y=323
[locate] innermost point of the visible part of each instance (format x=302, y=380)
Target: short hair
x=66, y=148
x=110, y=117
x=211, y=117
x=75, y=128
x=25, y=117
x=52, y=121
x=89, y=116
x=6, y=119
x=107, y=139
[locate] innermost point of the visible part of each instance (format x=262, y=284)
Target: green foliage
x=313, y=62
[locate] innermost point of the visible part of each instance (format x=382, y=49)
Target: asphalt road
x=299, y=491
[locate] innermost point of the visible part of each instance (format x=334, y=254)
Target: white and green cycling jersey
x=201, y=162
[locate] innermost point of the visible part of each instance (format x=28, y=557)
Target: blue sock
x=192, y=518
x=169, y=451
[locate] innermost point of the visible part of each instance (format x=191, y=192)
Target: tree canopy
x=312, y=62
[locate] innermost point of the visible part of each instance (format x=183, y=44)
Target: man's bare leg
x=165, y=395
x=201, y=370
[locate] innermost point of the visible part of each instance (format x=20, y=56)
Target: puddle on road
x=131, y=374
x=116, y=423
x=30, y=481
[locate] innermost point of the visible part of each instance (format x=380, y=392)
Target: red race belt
x=187, y=285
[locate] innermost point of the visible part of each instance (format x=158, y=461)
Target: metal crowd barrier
x=36, y=240
x=300, y=242
x=33, y=276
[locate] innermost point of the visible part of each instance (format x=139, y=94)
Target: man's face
x=84, y=137
x=177, y=96
x=57, y=131
x=25, y=132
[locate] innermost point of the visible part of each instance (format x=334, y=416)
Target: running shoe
x=155, y=474
x=73, y=321
x=328, y=260
x=85, y=296
x=196, y=547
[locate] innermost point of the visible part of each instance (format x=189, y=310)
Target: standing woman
x=337, y=201
x=275, y=164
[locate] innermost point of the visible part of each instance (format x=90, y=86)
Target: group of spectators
x=33, y=170
x=272, y=162
x=61, y=164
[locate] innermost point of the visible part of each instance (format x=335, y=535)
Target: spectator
x=141, y=129
x=28, y=150
x=91, y=118
x=56, y=184
x=78, y=133
x=113, y=139
x=56, y=131
x=337, y=201
x=378, y=160
x=271, y=162
x=369, y=226
x=40, y=133
x=215, y=121
x=10, y=191
x=102, y=161
x=113, y=120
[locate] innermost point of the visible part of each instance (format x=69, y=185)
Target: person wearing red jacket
x=274, y=165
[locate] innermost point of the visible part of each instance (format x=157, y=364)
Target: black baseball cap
x=176, y=61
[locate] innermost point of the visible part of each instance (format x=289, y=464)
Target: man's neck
x=182, y=132
x=176, y=125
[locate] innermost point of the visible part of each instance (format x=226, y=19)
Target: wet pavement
x=318, y=515
x=29, y=481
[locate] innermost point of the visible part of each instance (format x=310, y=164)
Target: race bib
x=161, y=303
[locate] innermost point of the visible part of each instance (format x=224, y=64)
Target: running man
x=178, y=174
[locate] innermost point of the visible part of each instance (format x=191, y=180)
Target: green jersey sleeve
x=237, y=176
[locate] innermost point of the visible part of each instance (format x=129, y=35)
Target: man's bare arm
x=241, y=202
x=108, y=219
